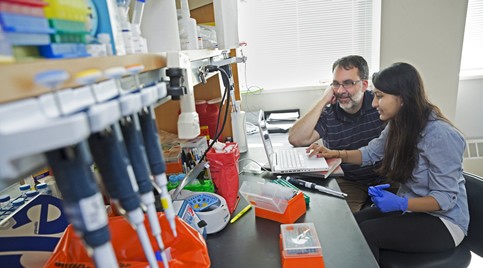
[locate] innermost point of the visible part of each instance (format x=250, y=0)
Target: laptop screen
x=262, y=125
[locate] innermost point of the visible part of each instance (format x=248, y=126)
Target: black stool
x=455, y=258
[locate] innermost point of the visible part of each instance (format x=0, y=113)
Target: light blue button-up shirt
x=438, y=173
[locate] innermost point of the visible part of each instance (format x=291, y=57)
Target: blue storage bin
x=60, y=51
x=27, y=39
x=24, y=24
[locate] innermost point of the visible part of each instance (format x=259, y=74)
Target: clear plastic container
x=268, y=196
x=43, y=188
x=300, y=240
x=18, y=202
x=4, y=201
x=31, y=194
x=24, y=188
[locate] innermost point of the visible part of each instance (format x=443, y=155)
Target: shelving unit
x=16, y=79
x=18, y=90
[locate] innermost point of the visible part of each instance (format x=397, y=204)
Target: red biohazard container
x=208, y=113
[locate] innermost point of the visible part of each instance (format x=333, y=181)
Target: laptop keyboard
x=290, y=158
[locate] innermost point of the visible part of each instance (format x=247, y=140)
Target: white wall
x=429, y=35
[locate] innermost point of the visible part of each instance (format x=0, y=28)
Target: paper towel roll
x=238, y=127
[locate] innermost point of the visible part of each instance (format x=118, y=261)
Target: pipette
x=130, y=105
x=154, y=153
x=312, y=185
x=109, y=153
x=83, y=203
x=156, y=163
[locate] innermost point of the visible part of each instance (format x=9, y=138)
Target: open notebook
x=289, y=160
x=334, y=170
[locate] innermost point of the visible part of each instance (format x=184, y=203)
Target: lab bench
x=254, y=242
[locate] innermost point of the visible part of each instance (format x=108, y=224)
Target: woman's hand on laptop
x=319, y=150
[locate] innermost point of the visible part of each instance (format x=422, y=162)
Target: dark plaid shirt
x=342, y=131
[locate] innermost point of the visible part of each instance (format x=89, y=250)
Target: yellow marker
x=241, y=213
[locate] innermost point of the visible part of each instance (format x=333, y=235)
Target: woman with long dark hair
x=423, y=151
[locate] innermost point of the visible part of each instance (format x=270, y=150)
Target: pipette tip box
x=273, y=204
x=300, y=246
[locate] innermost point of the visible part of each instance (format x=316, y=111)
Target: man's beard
x=353, y=102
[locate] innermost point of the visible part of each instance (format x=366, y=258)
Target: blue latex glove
x=376, y=190
x=387, y=201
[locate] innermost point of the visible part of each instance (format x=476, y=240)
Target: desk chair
x=455, y=258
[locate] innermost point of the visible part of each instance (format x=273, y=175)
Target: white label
x=132, y=178
x=93, y=212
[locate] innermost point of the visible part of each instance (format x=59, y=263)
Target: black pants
x=408, y=232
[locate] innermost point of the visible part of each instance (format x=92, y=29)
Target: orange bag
x=188, y=249
x=224, y=172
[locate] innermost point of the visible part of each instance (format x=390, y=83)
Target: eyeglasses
x=347, y=84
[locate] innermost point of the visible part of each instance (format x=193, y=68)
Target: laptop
x=288, y=160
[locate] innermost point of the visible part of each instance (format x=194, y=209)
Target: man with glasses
x=345, y=120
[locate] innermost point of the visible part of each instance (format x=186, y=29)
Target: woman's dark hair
x=401, y=152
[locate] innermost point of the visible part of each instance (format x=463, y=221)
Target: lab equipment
x=122, y=15
x=152, y=145
x=130, y=104
x=139, y=43
x=224, y=172
x=314, y=186
x=4, y=201
x=300, y=239
x=30, y=195
x=268, y=196
x=188, y=215
x=156, y=162
x=188, y=31
x=273, y=201
x=215, y=215
x=181, y=88
x=24, y=188
x=285, y=183
x=83, y=204
x=43, y=188
x=109, y=153
x=300, y=246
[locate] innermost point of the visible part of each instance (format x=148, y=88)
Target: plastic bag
x=188, y=249
x=224, y=172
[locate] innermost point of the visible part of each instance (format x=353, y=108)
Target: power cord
x=250, y=168
x=251, y=128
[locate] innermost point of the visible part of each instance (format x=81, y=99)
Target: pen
x=312, y=185
x=241, y=213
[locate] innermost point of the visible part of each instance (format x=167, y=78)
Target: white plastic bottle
x=188, y=31
x=122, y=11
x=105, y=39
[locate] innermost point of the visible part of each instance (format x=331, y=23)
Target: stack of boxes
x=37, y=28
x=68, y=18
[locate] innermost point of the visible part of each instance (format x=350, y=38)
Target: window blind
x=293, y=43
x=472, y=55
